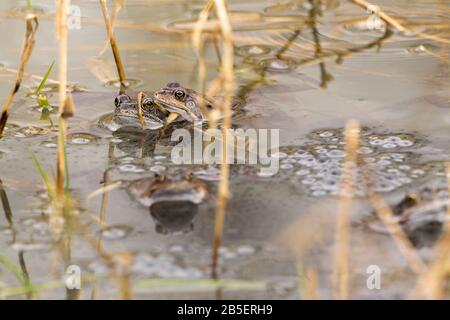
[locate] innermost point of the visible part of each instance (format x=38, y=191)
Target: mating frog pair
x=173, y=103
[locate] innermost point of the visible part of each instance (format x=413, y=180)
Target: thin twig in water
x=114, y=47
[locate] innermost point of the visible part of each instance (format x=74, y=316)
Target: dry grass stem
x=114, y=47
x=29, y=42
x=341, y=258
x=312, y=284
x=227, y=74
x=64, y=110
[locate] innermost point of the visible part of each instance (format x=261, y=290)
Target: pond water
x=395, y=85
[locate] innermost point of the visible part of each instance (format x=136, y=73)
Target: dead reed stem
x=341, y=259
x=312, y=284
x=227, y=74
x=118, y=5
x=114, y=47
x=397, y=25
x=29, y=42
x=197, y=42
x=61, y=34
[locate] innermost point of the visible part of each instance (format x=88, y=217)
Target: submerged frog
x=173, y=199
x=421, y=214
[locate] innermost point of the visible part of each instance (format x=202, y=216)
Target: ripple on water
x=129, y=83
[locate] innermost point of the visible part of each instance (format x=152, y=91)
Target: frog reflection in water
x=173, y=199
x=172, y=103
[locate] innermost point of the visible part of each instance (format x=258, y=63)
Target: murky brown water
x=399, y=93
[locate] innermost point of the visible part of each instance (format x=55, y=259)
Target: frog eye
x=179, y=94
x=147, y=102
x=121, y=98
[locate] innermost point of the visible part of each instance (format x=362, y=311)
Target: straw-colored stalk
x=312, y=284
x=228, y=80
x=29, y=42
x=114, y=47
x=64, y=112
x=118, y=5
x=341, y=258
x=397, y=25
x=197, y=42
x=433, y=282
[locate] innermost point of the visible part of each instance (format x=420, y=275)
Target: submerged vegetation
x=237, y=56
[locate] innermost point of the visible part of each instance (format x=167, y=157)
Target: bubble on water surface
x=81, y=138
x=158, y=169
x=253, y=50
x=277, y=65
x=131, y=168
x=245, y=250
x=115, y=232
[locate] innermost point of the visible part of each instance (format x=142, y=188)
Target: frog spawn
x=318, y=166
x=155, y=265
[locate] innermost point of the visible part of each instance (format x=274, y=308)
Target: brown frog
x=173, y=103
x=421, y=214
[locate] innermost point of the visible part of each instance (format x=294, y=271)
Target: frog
x=187, y=103
x=421, y=213
x=126, y=112
x=170, y=104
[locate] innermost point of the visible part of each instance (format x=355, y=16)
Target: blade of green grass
x=44, y=175
x=18, y=274
x=45, y=78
